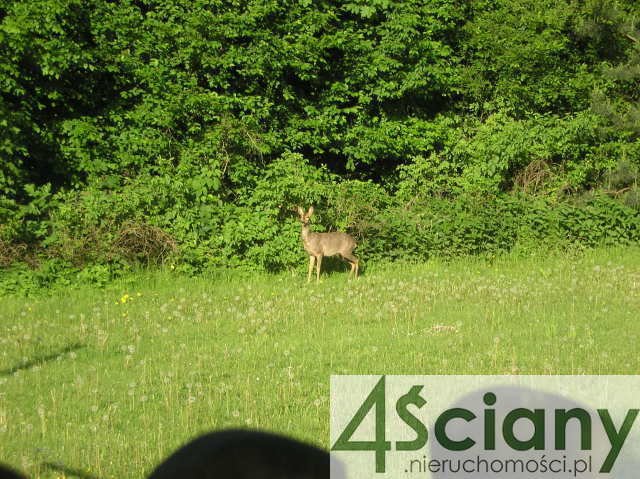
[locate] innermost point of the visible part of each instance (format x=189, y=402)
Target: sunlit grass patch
x=110, y=381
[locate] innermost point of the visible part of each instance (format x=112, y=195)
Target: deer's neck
x=305, y=233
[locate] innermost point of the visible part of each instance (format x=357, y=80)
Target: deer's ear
x=300, y=212
x=310, y=212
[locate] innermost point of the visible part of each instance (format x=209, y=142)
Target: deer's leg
x=318, y=265
x=312, y=260
x=354, y=263
x=350, y=263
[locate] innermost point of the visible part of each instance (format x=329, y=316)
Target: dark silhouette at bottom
x=6, y=473
x=233, y=454
x=242, y=454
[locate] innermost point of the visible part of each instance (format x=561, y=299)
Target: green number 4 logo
x=376, y=401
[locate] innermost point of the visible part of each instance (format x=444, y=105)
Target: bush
x=96, y=235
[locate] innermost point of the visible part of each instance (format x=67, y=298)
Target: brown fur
x=319, y=245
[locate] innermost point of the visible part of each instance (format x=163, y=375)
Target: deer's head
x=304, y=217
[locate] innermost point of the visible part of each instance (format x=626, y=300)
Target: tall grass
x=110, y=381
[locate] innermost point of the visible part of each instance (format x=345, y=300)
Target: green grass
x=110, y=384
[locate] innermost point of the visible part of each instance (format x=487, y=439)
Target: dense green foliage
x=183, y=132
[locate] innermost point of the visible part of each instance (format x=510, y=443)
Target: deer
x=319, y=245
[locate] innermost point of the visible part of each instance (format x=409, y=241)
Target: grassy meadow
x=110, y=381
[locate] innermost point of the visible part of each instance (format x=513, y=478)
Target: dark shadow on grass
x=336, y=265
x=38, y=360
x=68, y=471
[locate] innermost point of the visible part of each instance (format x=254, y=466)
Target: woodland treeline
x=183, y=132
